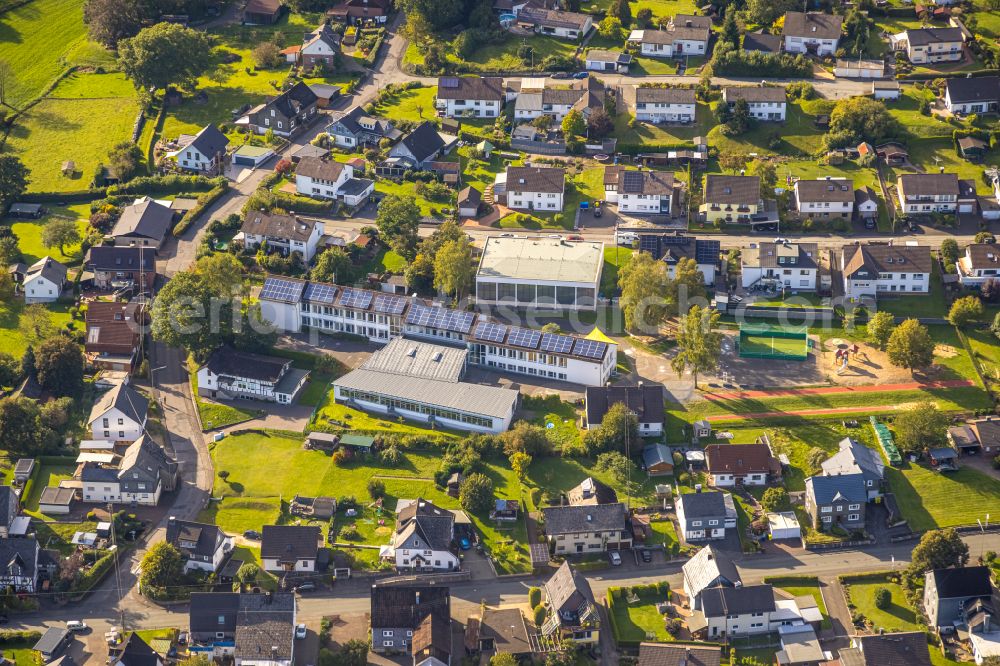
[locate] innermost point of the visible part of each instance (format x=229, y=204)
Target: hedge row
x=13, y=636
x=369, y=60
x=94, y=574
x=637, y=148
x=205, y=200
x=172, y=184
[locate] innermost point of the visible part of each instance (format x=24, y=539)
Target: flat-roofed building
x=540, y=272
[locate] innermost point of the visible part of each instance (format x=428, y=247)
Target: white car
x=300, y=631
x=76, y=625
x=615, y=557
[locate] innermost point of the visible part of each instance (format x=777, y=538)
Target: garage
x=967, y=207
x=56, y=501
x=783, y=525
x=251, y=156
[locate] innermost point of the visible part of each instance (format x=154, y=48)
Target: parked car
x=305, y=587
x=252, y=534
x=76, y=626
x=300, y=631
x=870, y=223
x=581, y=75
x=615, y=557
x=646, y=555
x=561, y=75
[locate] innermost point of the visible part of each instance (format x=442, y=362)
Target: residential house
x=814, y=33
x=44, y=281
x=644, y=400
x=573, y=615
x=799, y=646
x=289, y=547
x=285, y=233
x=421, y=146
x=709, y=568
x=790, y=265
x=897, y=649
x=948, y=593
x=856, y=458
x=870, y=269
x=361, y=11
x=113, y=335
x=357, y=129
x=424, y=539
x=657, y=104
x=585, y=96
x=144, y=223
x=470, y=96
x=577, y=530
x=431, y=645
x=251, y=629
x=731, y=198
x=972, y=148
x=326, y=178
x=10, y=508
x=399, y=611
x=144, y=472
x=930, y=45
x=20, y=564
x=670, y=248
x=824, y=198
x=604, y=60
x=554, y=23
x=663, y=654
x=285, y=115
x=590, y=492
x=685, y=35
x=972, y=95
x=135, y=652
x=469, y=201
x=730, y=465
x=321, y=47
x=886, y=90
x=865, y=203
x=205, y=154
x=121, y=267
x=499, y=630
x=837, y=501
x=202, y=546
x=986, y=432
x=926, y=193
x=766, y=103
x=981, y=262
x=533, y=188
x=705, y=515
x=745, y=610
x=235, y=375
x=762, y=42
x=643, y=192
x=119, y=415
x=657, y=460
x=261, y=12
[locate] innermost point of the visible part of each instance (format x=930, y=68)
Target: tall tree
x=438, y=15
x=165, y=54
x=109, y=21
x=920, y=427
x=19, y=425
x=333, y=265
x=60, y=233
x=60, y=363
x=622, y=10
x=731, y=31
x=574, y=124
x=162, y=566
x=10, y=370
x=519, y=464
x=600, y=124
x=618, y=431
x=188, y=313
x=36, y=323
x=453, y=268
x=687, y=284
x=645, y=292
x=7, y=79
x=398, y=220
x=965, y=311
x=476, y=493
x=222, y=273
x=768, y=174
x=880, y=327
x=938, y=549
x=698, y=343
x=125, y=160
x=910, y=346
x=739, y=118
x=14, y=179
x=862, y=119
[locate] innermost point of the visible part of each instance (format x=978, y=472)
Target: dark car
x=561, y=75
x=305, y=587
x=646, y=555
x=581, y=75
x=252, y=534
x=870, y=223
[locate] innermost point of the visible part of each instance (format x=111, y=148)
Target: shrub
x=538, y=614
x=350, y=533
x=376, y=488
x=534, y=596
x=882, y=597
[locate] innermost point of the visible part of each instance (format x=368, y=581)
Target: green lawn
x=635, y=621
x=48, y=475
x=415, y=105
x=12, y=339
x=502, y=56
x=408, y=190
x=898, y=616
x=559, y=417
x=216, y=414
x=907, y=111
x=58, y=536
x=81, y=120
x=932, y=304
x=988, y=21
x=588, y=185
x=929, y=499
x=331, y=414
x=615, y=258
x=800, y=587
x=29, y=234
x=797, y=135
x=647, y=133
x=930, y=154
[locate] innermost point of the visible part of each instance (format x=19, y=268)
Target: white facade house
x=747, y=610
x=329, y=179
x=871, y=270
x=815, y=33
x=289, y=548
x=789, y=265
x=119, y=415
x=470, y=96
x=285, y=233
x=533, y=188
x=926, y=193
x=972, y=95
x=554, y=23
x=423, y=538
x=661, y=105
x=685, y=35
x=140, y=477
x=824, y=198
x=604, y=60
x=981, y=262
x=44, y=281
x=233, y=375
x=706, y=515
x=204, y=547
x=930, y=45
x=766, y=103
x=640, y=192
x=205, y=153
x=886, y=90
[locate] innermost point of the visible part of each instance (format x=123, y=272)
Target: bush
x=376, y=488
x=882, y=597
x=538, y=614
x=534, y=596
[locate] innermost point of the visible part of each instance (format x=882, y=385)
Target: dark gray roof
x=291, y=102
x=589, y=518
x=110, y=258
x=228, y=362
x=759, y=41
x=825, y=190
x=350, y=122
x=961, y=583
x=125, y=399
x=148, y=460
x=18, y=556
x=51, y=640
x=8, y=506
x=424, y=141
x=929, y=183
x=422, y=518
x=262, y=223
x=645, y=401
x=94, y=473
x=655, y=454
x=902, y=649
x=469, y=197
x=355, y=186
x=406, y=606
x=146, y=218
x=932, y=35
x=321, y=168
x=841, y=488
x=470, y=87
x=813, y=25
x=854, y=457
x=310, y=150
x=48, y=268
x=265, y=627
x=707, y=568
x=136, y=652
x=288, y=543
x=209, y=141
x=206, y=538
x=703, y=505
x=770, y=94
x=725, y=189
x=647, y=182
x=671, y=248
x=551, y=17
x=660, y=654
x=206, y=609
x=721, y=601
x=536, y=179
x=980, y=89
x=769, y=255
x=566, y=591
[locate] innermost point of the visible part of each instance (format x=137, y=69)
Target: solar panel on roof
x=458, y=320
x=589, y=348
x=389, y=304
x=356, y=298
x=707, y=251
x=488, y=331
x=278, y=289
x=556, y=344
x=449, y=82
x=317, y=292
x=524, y=338
x=649, y=243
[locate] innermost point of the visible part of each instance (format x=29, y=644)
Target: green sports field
x=758, y=345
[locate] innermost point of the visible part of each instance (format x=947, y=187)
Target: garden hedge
x=204, y=201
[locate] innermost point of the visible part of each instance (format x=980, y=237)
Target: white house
x=685, y=35
x=644, y=400
x=791, y=265
x=815, y=33
x=119, y=415
x=554, y=23
x=968, y=95
x=584, y=96
x=886, y=90
x=289, y=548
x=705, y=515
x=661, y=105
x=824, y=198
x=730, y=465
x=44, y=281
x=670, y=248
x=981, y=262
x=641, y=192
x=284, y=233
x=320, y=47
x=930, y=45
x=235, y=375
x=205, y=153
x=330, y=179
x=765, y=102
x=423, y=538
x=603, y=60
x=143, y=473
x=870, y=269
x=748, y=610
x=470, y=96
x=532, y=188
x=926, y=193
x=204, y=547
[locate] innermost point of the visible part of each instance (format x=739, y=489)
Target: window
x=827, y=519
x=826, y=509
x=854, y=517
x=854, y=507
x=713, y=522
x=387, y=633
x=696, y=523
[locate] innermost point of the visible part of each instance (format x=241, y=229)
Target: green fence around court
x=886, y=441
x=763, y=340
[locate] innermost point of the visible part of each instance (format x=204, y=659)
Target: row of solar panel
x=293, y=291
x=525, y=338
